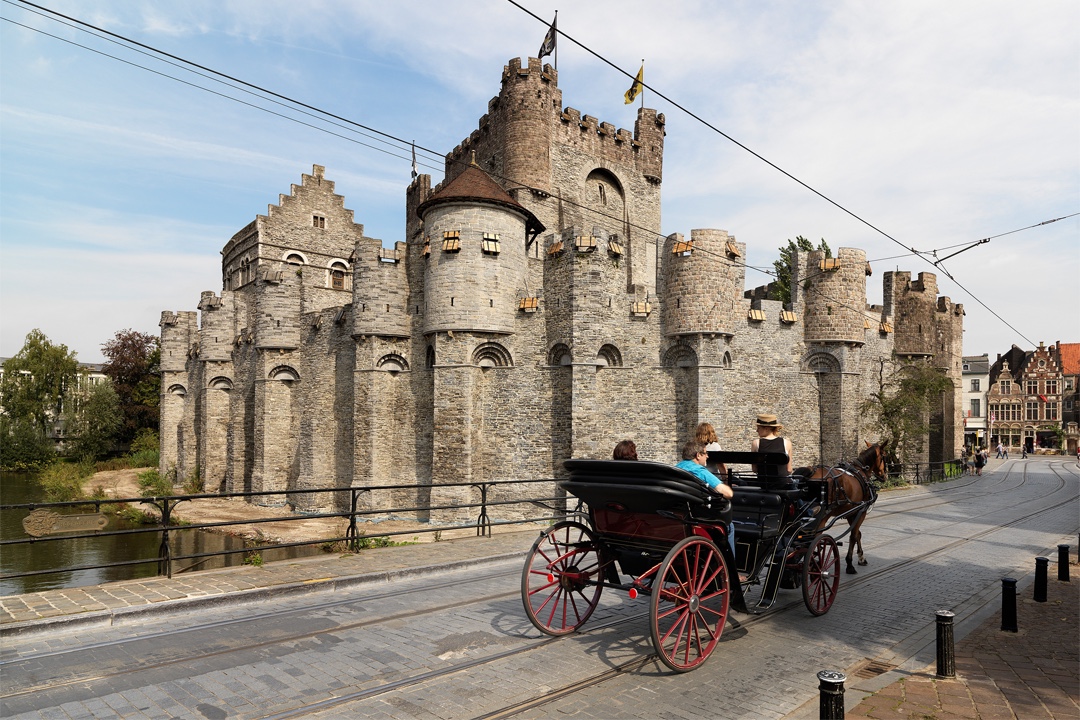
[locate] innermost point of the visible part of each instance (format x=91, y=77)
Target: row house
x=1025, y=399
x=976, y=381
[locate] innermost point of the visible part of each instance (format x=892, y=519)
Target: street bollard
x=1063, y=563
x=1008, y=605
x=1041, y=565
x=831, y=694
x=946, y=658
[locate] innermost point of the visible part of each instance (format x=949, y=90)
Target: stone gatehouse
x=533, y=313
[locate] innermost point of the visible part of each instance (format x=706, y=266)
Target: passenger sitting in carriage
x=694, y=459
x=769, y=441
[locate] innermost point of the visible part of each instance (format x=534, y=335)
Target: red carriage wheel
x=561, y=581
x=821, y=575
x=689, y=603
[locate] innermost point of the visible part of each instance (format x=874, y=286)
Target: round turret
x=476, y=266
x=702, y=280
x=835, y=292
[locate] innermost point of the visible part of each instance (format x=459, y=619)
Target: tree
x=787, y=258
x=36, y=380
x=900, y=409
x=97, y=422
x=35, y=384
x=132, y=366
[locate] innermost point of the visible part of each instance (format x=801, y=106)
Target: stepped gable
x=475, y=185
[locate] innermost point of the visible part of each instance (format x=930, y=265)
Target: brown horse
x=849, y=494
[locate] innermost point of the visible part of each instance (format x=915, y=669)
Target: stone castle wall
x=435, y=363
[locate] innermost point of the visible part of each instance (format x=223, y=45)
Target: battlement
x=542, y=72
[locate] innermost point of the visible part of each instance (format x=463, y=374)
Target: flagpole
x=555, y=24
x=643, y=84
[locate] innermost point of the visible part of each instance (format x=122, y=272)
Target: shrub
x=193, y=484
x=62, y=481
x=143, y=458
x=153, y=485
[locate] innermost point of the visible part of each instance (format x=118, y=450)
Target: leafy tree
x=132, y=365
x=782, y=266
x=97, y=422
x=32, y=393
x=900, y=409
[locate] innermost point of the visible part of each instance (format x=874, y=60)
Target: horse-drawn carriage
x=668, y=533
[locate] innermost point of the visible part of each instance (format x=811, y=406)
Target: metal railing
x=928, y=472
x=555, y=507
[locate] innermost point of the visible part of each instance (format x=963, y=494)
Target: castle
x=533, y=313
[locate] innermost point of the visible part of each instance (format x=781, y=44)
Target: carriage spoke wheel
x=561, y=580
x=689, y=603
x=821, y=575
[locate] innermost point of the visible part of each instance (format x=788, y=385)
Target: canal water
x=56, y=551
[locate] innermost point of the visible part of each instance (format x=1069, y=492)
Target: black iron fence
x=55, y=517
x=928, y=472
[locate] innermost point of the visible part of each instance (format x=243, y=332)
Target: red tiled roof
x=473, y=184
x=1070, y=358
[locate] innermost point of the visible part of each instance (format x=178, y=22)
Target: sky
x=932, y=125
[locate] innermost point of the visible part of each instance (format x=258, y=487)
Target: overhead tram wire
x=407, y=144
x=716, y=130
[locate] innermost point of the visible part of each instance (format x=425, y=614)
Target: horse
x=849, y=493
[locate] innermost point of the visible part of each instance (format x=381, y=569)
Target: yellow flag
x=637, y=87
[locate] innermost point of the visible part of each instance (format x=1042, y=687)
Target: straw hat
x=769, y=421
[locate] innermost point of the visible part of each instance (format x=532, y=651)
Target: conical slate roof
x=475, y=185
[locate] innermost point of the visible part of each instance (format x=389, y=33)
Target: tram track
x=736, y=629
x=739, y=626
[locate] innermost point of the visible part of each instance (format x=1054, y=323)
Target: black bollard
x=831, y=693
x=1008, y=605
x=946, y=658
x=1063, y=563
x=1041, y=565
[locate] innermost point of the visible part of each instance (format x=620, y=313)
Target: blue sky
x=938, y=123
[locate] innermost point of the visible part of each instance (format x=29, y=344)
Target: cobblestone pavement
x=760, y=673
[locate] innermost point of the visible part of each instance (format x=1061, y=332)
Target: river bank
x=124, y=484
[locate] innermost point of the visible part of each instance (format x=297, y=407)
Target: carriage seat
x=757, y=513
x=642, y=486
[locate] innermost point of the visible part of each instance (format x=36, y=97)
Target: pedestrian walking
x=980, y=460
x=1000, y=447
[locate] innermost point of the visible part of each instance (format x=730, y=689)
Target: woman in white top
x=705, y=434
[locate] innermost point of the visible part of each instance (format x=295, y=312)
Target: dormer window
x=318, y=221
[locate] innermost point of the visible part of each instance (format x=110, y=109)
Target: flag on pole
x=1043, y=398
x=415, y=172
x=637, y=87
x=548, y=46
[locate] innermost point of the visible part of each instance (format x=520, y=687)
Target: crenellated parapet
x=380, y=290
x=834, y=293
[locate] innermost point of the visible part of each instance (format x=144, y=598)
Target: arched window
x=220, y=383
x=430, y=356
x=560, y=355
x=337, y=275
x=295, y=259
x=285, y=374
x=681, y=356
x=177, y=390
x=726, y=362
x=821, y=363
x=491, y=355
x=392, y=363
x=609, y=356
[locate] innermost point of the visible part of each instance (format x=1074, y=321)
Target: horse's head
x=873, y=458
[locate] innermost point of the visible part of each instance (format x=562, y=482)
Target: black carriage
x=668, y=534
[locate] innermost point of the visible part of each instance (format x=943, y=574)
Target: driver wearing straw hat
x=769, y=441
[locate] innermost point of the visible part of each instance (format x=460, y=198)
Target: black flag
x=549, y=40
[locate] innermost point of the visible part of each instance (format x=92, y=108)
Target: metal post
x=831, y=694
x=946, y=657
x=1008, y=605
x=1041, y=565
x=1063, y=563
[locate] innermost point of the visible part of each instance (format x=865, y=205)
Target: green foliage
x=900, y=409
x=366, y=543
x=193, y=484
x=36, y=380
x=96, y=422
x=153, y=485
x=782, y=266
x=62, y=481
x=253, y=558
x=23, y=446
x=132, y=360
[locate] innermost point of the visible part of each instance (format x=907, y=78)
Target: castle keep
x=533, y=313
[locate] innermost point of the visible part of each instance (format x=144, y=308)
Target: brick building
x=533, y=313
x=1025, y=399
